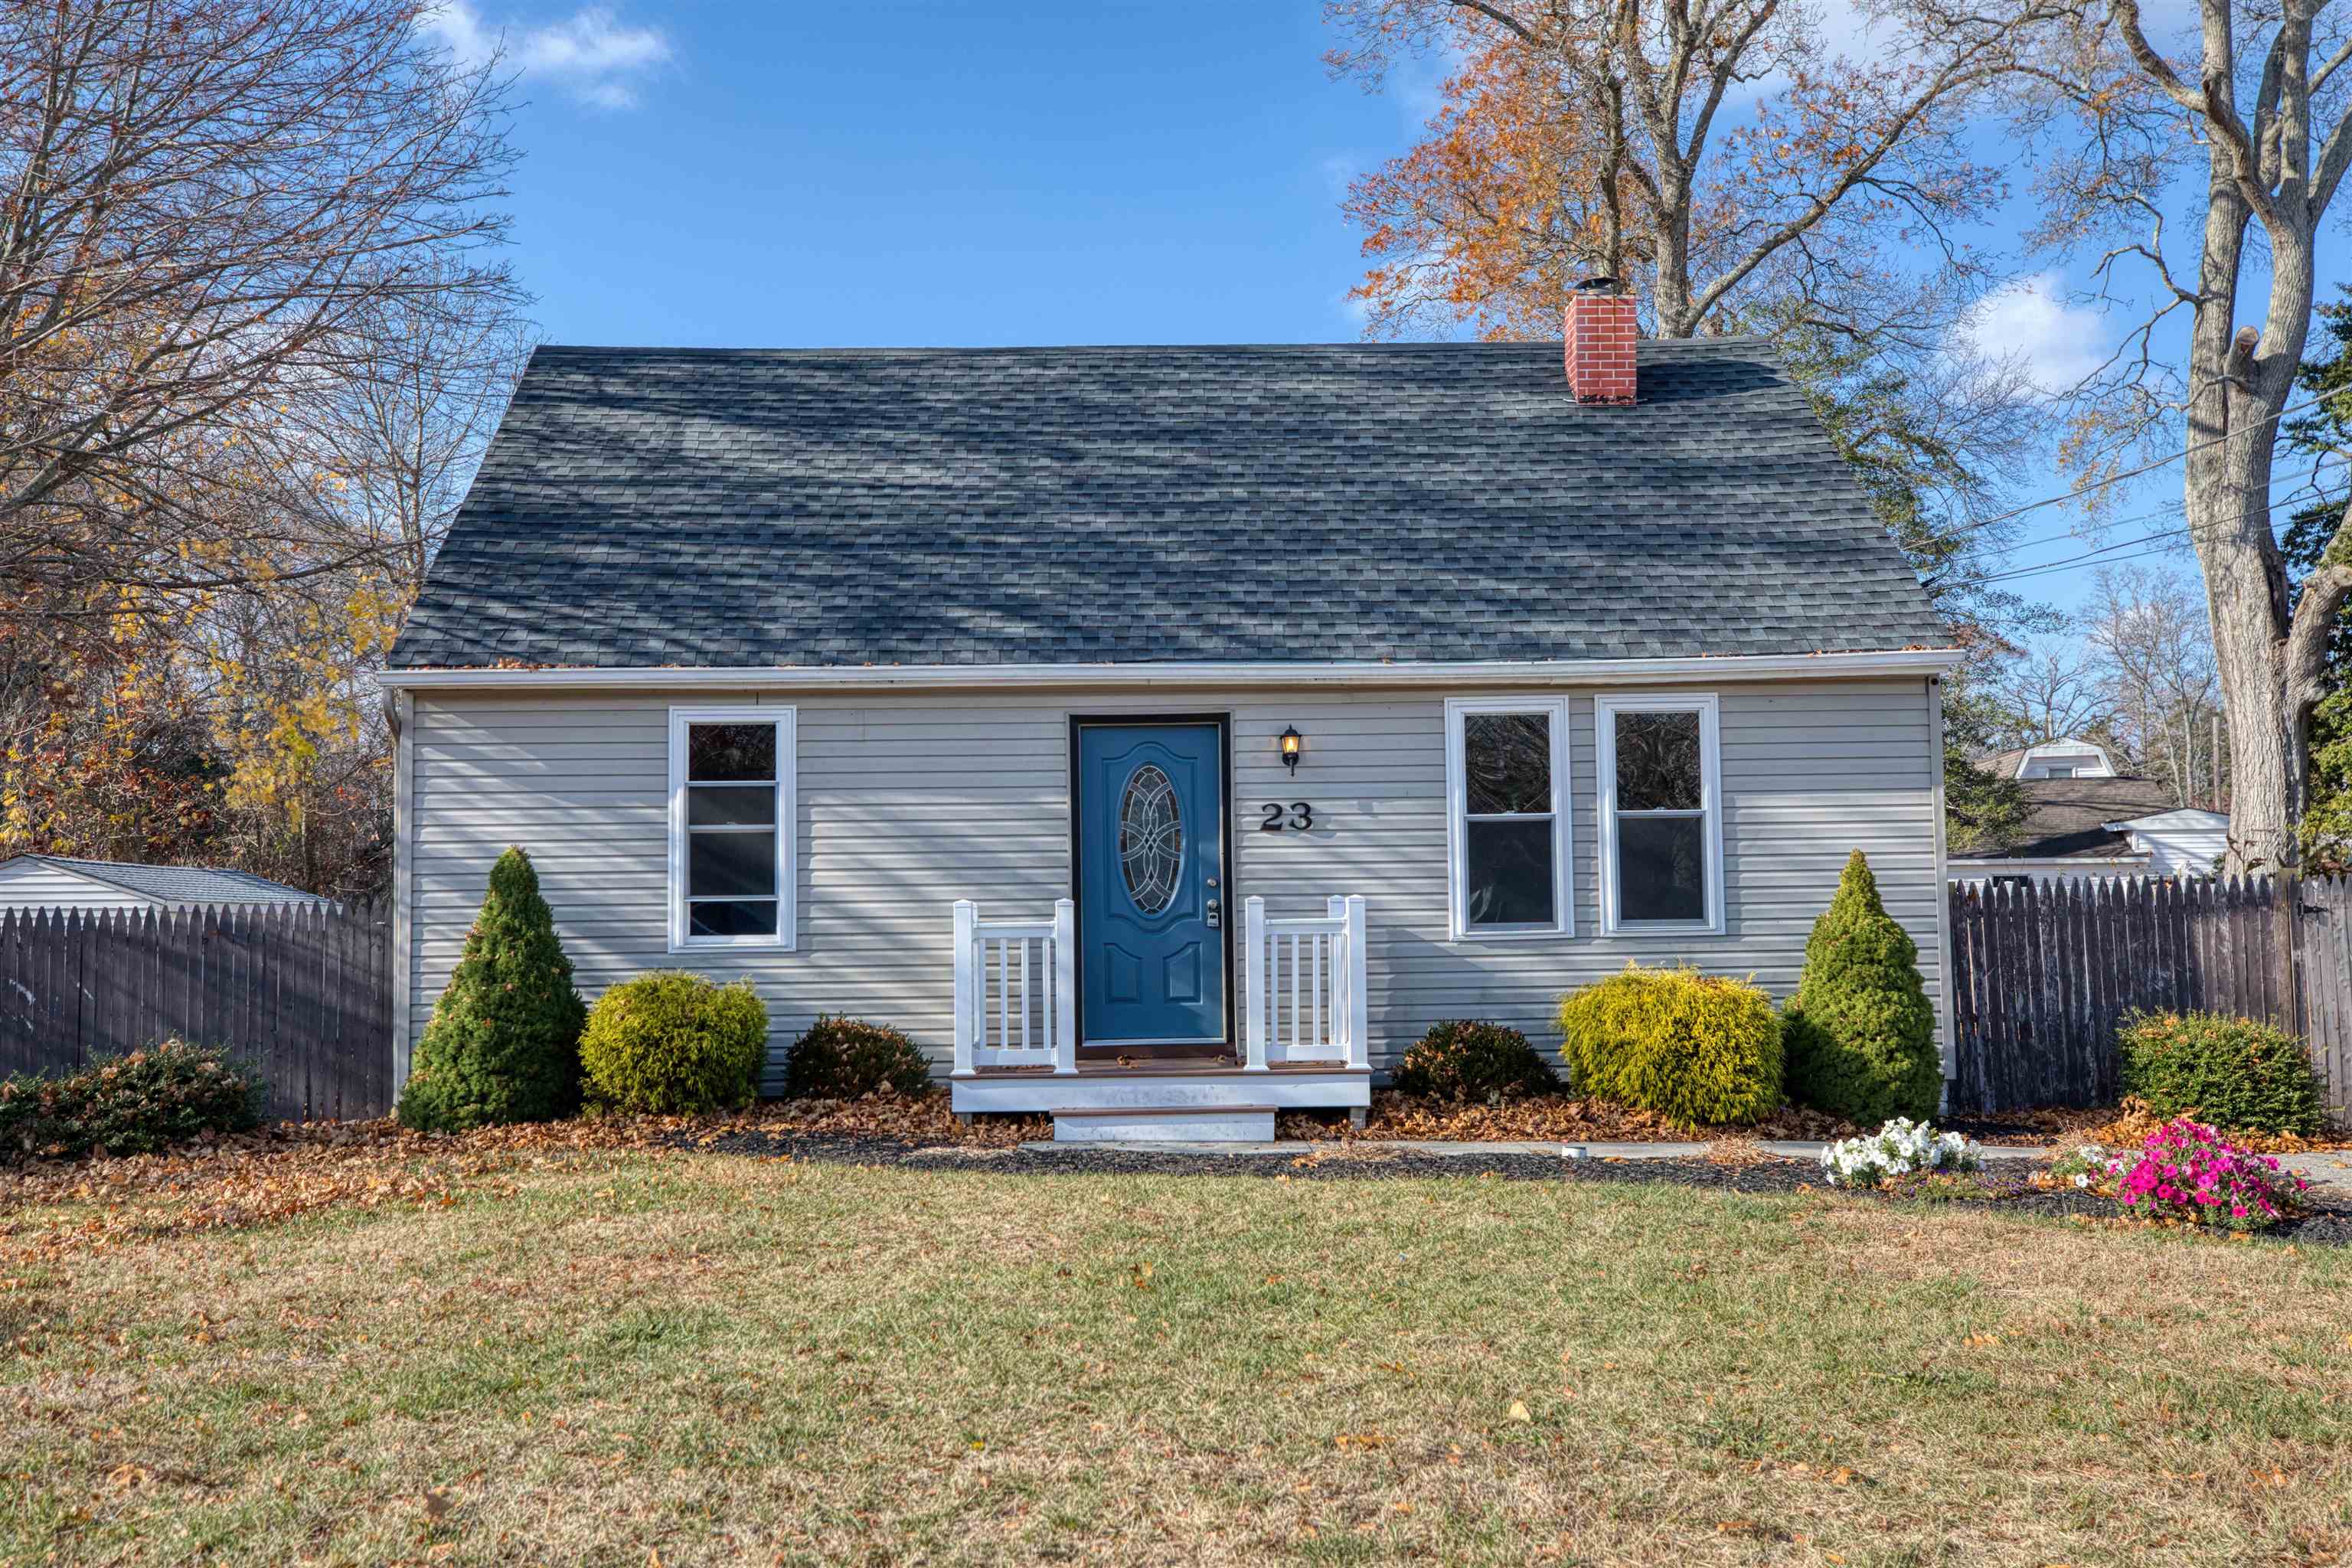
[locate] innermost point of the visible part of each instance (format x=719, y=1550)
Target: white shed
x=56, y=881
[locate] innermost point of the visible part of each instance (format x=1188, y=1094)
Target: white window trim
x=1605, y=708
x=787, y=827
x=1457, y=807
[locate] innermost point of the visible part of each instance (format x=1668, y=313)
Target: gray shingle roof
x=186, y=884
x=2069, y=817
x=1437, y=501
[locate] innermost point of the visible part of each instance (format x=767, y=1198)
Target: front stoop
x=1165, y=1124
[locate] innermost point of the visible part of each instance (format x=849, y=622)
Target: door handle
x=1210, y=914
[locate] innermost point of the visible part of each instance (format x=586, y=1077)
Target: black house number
x=1301, y=816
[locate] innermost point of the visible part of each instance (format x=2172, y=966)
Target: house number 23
x=1301, y=816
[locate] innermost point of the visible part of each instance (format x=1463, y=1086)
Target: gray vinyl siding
x=908, y=802
x=29, y=885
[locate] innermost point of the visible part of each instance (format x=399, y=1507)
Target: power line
x=2188, y=533
x=2148, y=468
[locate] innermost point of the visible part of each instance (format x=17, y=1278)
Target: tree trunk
x=2238, y=382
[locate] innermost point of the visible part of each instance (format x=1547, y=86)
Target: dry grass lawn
x=629, y=1358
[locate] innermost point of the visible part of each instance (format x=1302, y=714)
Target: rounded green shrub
x=2234, y=1073
x=1861, y=1034
x=1465, y=1059
x=171, y=1092
x=1697, y=1048
x=670, y=1043
x=847, y=1058
x=504, y=1041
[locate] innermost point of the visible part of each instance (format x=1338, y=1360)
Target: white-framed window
x=1660, y=778
x=731, y=827
x=1507, y=849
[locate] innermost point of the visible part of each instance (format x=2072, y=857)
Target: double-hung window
x=731, y=827
x=1661, y=813
x=1507, y=824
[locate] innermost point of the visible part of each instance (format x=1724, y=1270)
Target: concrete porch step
x=1164, y=1124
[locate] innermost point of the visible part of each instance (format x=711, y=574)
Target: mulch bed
x=1729, y=1170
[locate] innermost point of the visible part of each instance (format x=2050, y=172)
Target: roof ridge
x=707, y=351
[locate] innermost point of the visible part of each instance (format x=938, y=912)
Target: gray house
x=1163, y=735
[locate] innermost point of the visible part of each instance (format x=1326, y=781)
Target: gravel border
x=2328, y=1226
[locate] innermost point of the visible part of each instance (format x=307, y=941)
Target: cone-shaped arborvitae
x=1861, y=1034
x=504, y=1042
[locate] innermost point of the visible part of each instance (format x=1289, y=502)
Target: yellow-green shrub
x=1698, y=1048
x=671, y=1043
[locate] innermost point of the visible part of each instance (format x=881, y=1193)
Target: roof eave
x=1913, y=662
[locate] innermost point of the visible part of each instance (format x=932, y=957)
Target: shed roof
x=181, y=884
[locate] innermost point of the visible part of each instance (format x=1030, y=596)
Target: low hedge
x=2235, y=1074
x=1697, y=1048
x=171, y=1092
x=672, y=1043
x=1465, y=1059
x=849, y=1058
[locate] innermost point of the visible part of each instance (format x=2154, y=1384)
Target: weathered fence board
x=2043, y=974
x=301, y=992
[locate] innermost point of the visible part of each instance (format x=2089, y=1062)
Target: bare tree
x=2151, y=647
x=2049, y=692
x=402, y=431
x=2251, y=115
x=207, y=207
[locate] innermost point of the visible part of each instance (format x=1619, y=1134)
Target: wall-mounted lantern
x=1291, y=740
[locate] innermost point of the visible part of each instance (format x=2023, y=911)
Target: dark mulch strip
x=2012, y=1193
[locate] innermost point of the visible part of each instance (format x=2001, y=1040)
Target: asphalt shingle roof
x=1438, y=502
x=2069, y=814
x=186, y=884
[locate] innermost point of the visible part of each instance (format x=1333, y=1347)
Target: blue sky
x=967, y=174
x=977, y=171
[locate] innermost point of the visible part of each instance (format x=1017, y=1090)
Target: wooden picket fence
x=302, y=993
x=2042, y=972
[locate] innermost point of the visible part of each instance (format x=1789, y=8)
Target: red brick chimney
x=1600, y=342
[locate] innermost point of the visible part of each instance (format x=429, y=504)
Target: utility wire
x=2148, y=468
x=2172, y=537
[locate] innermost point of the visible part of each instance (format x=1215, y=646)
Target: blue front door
x=1151, y=883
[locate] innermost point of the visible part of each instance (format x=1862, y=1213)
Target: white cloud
x=2029, y=327
x=590, y=52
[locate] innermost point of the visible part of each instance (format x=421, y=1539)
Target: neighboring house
x=2089, y=821
x=2065, y=758
x=1163, y=734
x=54, y=882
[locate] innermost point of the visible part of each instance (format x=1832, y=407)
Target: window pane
x=1506, y=761
x=729, y=805
x=728, y=865
x=1662, y=868
x=1507, y=873
x=1657, y=761
x=715, y=752
x=731, y=920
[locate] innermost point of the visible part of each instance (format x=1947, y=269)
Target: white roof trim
x=1534, y=672
x=1958, y=864
x=2178, y=817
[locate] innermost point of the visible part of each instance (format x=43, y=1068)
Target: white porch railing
x=1303, y=987
x=1016, y=991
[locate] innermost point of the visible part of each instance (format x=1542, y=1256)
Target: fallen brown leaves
x=1546, y=1118
x=919, y=1118
x=49, y=1209
x=2131, y=1126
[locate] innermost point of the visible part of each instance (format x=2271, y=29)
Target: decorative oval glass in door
x=1150, y=838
